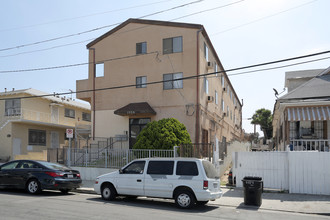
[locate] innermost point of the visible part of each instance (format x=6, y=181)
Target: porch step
x=33, y=156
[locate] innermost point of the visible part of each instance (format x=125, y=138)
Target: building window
x=216, y=68
x=141, y=82
x=222, y=81
x=206, y=85
x=37, y=137
x=227, y=110
x=172, y=45
x=171, y=82
x=141, y=48
x=222, y=105
x=99, y=70
x=206, y=52
x=70, y=113
x=216, y=97
x=12, y=107
x=86, y=116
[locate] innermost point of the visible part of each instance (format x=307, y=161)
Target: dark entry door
x=135, y=127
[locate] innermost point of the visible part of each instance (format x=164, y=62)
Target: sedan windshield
x=54, y=166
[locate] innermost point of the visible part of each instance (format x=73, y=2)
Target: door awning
x=140, y=108
x=320, y=113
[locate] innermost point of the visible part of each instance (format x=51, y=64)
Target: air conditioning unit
x=210, y=98
x=210, y=65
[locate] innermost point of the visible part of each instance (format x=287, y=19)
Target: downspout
x=197, y=91
x=94, y=75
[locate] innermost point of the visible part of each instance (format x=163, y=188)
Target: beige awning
x=320, y=113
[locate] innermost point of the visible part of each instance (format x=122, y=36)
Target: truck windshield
x=210, y=170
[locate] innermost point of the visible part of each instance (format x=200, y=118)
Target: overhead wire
x=63, y=45
x=192, y=76
x=98, y=28
x=83, y=16
x=263, y=18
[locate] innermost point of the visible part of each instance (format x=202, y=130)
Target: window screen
x=160, y=167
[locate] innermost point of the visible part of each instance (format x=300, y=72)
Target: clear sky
x=243, y=32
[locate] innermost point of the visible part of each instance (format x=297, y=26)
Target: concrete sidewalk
x=271, y=200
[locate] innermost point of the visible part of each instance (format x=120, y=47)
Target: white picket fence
x=295, y=171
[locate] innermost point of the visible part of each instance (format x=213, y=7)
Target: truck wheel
x=108, y=192
x=185, y=199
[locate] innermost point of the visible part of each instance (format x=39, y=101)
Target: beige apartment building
x=145, y=70
x=29, y=126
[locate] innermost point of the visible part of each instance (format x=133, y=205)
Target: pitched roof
x=318, y=87
x=56, y=98
x=142, y=21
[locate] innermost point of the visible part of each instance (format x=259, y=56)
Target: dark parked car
x=34, y=176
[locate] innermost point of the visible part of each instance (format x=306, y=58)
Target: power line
x=83, y=16
x=195, y=76
x=260, y=19
x=63, y=45
x=72, y=65
x=207, y=10
x=96, y=29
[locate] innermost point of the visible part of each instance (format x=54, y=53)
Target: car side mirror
x=121, y=171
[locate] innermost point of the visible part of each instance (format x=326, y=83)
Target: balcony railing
x=27, y=114
x=310, y=145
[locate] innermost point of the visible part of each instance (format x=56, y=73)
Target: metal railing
x=108, y=157
x=103, y=158
x=310, y=145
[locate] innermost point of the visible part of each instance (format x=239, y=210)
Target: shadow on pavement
x=277, y=195
x=159, y=204
x=44, y=193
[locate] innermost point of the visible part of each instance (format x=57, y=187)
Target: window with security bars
x=70, y=113
x=318, y=129
x=86, y=116
x=12, y=107
x=37, y=137
x=293, y=130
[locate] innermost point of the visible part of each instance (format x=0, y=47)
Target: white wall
x=90, y=173
x=296, y=171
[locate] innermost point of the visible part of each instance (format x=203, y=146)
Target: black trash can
x=253, y=188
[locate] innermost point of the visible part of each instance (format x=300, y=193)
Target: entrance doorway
x=135, y=127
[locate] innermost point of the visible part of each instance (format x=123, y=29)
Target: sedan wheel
x=33, y=186
x=185, y=199
x=108, y=192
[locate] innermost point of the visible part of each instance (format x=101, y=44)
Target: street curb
x=92, y=192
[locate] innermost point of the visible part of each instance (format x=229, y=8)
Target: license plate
x=215, y=185
x=70, y=176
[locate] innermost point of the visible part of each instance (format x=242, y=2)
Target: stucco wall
x=89, y=173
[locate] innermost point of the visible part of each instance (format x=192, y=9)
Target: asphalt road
x=54, y=205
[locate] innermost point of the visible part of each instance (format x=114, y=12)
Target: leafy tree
x=163, y=134
x=264, y=118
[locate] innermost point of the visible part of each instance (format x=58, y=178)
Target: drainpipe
x=197, y=91
x=94, y=75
